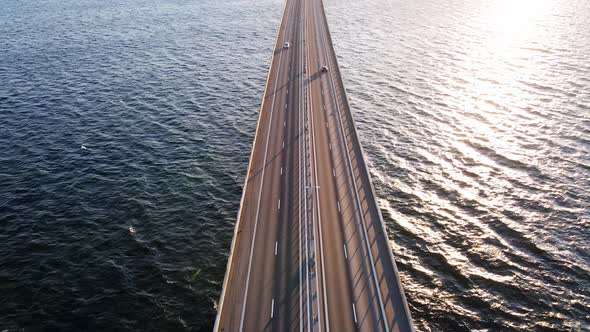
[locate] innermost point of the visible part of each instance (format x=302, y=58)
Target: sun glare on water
x=502, y=56
x=507, y=52
x=510, y=19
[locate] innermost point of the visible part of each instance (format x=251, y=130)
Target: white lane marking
x=284, y=123
x=285, y=105
x=277, y=247
x=330, y=145
x=281, y=170
x=345, y=253
x=324, y=107
x=272, y=309
x=287, y=92
x=334, y=172
x=354, y=313
x=262, y=177
x=283, y=144
x=338, y=205
x=279, y=204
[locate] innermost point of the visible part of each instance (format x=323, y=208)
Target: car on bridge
x=287, y=45
x=324, y=69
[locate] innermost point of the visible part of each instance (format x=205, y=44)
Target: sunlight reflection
x=510, y=20
x=498, y=64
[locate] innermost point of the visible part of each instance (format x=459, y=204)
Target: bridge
x=310, y=251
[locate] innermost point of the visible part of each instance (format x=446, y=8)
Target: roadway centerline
x=301, y=190
x=318, y=224
x=303, y=106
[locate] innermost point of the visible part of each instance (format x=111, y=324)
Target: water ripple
x=123, y=128
x=474, y=116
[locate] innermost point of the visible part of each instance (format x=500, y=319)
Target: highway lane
x=309, y=252
x=339, y=314
x=288, y=314
x=261, y=297
x=336, y=295
x=250, y=280
x=379, y=300
x=269, y=284
x=349, y=290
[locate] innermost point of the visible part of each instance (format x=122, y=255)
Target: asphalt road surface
x=309, y=251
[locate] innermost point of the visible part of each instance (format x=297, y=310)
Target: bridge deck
x=309, y=251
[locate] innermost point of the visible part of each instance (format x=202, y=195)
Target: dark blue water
x=125, y=130
x=126, y=127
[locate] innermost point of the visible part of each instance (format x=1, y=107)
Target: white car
x=324, y=68
x=286, y=44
